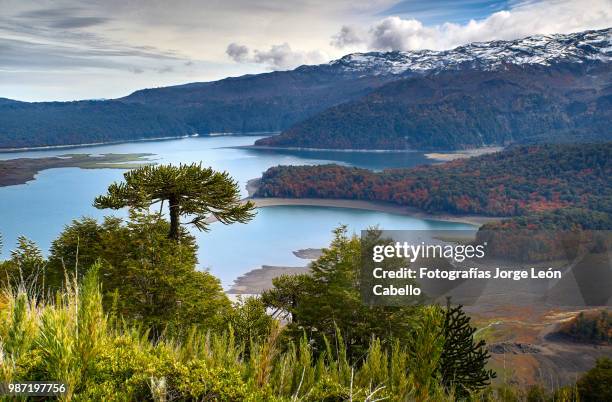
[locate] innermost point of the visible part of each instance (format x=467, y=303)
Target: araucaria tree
x=463, y=360
x=191, y=191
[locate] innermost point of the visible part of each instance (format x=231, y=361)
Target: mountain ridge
x=275, y=101
x=590, y=45
x=466, y=109
x=594, y=45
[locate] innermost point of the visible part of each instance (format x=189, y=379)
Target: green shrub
x=596, y=384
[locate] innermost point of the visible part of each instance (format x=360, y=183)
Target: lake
x=41, y=208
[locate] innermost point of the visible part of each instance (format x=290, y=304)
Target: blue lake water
x=41, y=208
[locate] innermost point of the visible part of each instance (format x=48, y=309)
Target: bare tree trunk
x=174, y=219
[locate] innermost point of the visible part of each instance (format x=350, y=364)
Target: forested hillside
x=465, y=109
x=252, y=103
x=25, y=124
x=519, y=181
x=258, y=103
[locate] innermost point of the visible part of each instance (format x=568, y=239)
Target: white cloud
x=278, y=57
x=348, y=36
x=238, y=53
x=524, y=19
x=102, y=49
x=394, y=33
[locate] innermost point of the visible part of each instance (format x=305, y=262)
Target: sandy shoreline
x=441, y=156
x=370, y=206
x=251, y=187
x=95, y=144
x=259, y=280
x=264, y=147
x=135, y=140
x=466, y=153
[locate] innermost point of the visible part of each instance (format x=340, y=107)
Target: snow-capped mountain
x=539, y=49
x=278, y=100
x=553, y=88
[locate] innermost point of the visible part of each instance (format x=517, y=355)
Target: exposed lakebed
x=21, y=170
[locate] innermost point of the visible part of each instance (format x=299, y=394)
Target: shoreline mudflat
x=22, y=170
x=258, y=280
x=93, y=144
x=135, y=140
x=466, y=153
x=370, y=206
x=358, y=150
x=441, y=156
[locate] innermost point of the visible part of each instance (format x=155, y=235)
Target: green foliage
x=438, y=345
x=329, y=299
x=260, y=103
x=154, y=275
x=190, y=190
x=463, y=360
x=425, y=350
x=284, y=297
x=71, y=338
x=536, y=393
x=25, y=267
x=71, y=335
x=195, y=380
x=81, y=243
x=596, y=384
x=250, y=321
x=124, y=315
x=83, y=122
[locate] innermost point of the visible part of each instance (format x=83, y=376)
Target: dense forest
x=253, y=103
x=465, y=109
x=25, y=124
x=515, y=182
x=267, y=102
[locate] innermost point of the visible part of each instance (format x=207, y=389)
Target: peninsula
x=22, y=170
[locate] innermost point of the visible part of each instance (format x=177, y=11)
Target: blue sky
x=440, y=11
x=91, y=49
